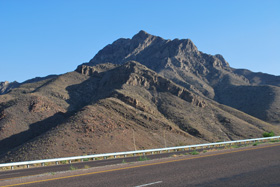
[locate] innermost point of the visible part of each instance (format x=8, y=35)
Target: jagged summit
x=150, y=49
x=140, y=47
x=178, y=59
x=141, y=35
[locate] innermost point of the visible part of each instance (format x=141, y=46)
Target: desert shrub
x=194, y=153
x=268, y=134
x=144, y=158
x=255, y=144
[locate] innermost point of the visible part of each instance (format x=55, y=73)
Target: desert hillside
x=138, y=93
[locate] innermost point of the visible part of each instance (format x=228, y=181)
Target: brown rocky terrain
x=204, y=74
x=113, y=100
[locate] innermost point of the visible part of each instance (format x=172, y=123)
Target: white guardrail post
x=134, y=153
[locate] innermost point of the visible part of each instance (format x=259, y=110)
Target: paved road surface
x=64, y=167
x=257, y=166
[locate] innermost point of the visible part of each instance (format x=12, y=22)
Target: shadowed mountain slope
x=75, y=114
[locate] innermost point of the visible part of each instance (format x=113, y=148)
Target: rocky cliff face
x=177, y=60
x=203, y=74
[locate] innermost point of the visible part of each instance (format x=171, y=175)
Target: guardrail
x=152, y=151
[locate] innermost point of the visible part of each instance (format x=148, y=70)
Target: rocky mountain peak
x=178, y=60
x=221, y=58
x=141, y=35
x=184, y=46
x=145, y=48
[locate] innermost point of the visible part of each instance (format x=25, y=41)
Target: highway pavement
x=250, y=166
x=79, y=165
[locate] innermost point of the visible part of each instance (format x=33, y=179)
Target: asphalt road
x=255, y=166
x=79, y=165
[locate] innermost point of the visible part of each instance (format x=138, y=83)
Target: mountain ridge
x=181, y=62
x=158, y=92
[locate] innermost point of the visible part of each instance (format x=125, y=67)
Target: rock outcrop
x=206, y=75
x=5, y=87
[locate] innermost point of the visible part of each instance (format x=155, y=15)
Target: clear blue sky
x=38, y=37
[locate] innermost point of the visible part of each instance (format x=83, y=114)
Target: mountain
x=6, y=86
x=204, y=74
x=104, y=105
